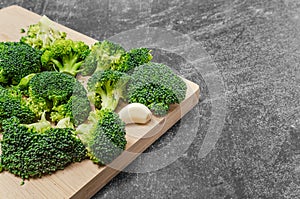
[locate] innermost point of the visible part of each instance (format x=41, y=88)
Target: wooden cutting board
x=83, y=180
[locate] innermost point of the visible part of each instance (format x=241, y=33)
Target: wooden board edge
x=100, y=180
x=73, y=34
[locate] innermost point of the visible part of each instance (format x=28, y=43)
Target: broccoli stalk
x=65, y=123
x=41, y=125
x=106, y=88
x=65, y=55
x=103, y=136
x=69, y=64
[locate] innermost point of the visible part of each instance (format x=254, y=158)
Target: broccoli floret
x=38, y=105
x=76, y=109
x=42, y=34
x=106, y=88
x=103, y=55
x=156, y=86
x=54, y=87
x=65, y=55
x=17, y=60
x=30, y=152
x=129, y=60
x=108, y=55
x=58, y=94
x=12, y=104
x=103, y=136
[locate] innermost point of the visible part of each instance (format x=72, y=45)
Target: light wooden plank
x=83, y=180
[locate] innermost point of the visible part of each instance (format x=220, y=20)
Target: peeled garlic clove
x=135, y=113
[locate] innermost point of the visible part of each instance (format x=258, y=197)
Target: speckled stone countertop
x=245, y=57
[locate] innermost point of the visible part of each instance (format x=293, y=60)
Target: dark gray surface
x=255, y=46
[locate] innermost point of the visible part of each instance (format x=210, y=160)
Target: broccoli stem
x=70, y=65
x=41, y=125
x=56, y=63
x=109, y=102
x=107, y=96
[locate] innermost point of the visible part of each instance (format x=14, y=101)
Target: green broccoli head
x=29, y=153
x=54, y=87
x=103, y=136
x=17, y=60
x=12, y=104
x=129, y=60
x=65, y=55
x=106, y=88
x=58, y=94
x=156, y=86
x=42, y=34
x=103, y=55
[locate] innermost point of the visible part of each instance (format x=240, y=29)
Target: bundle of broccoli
x=50, y=119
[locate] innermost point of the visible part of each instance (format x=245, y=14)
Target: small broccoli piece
x=12, y=104
x=106, y=88
x=65, y=55
x=42, y=34
x=54, y=87
x=108, y=55
x=102, y=57
x=129, y=60
x=17, y=60
x=156, y=86
x=35, y=103
x=76, y=109
x=28, y=152
x=103, y=136
x=59, y=94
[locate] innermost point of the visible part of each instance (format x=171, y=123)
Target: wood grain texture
x=83, y=180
